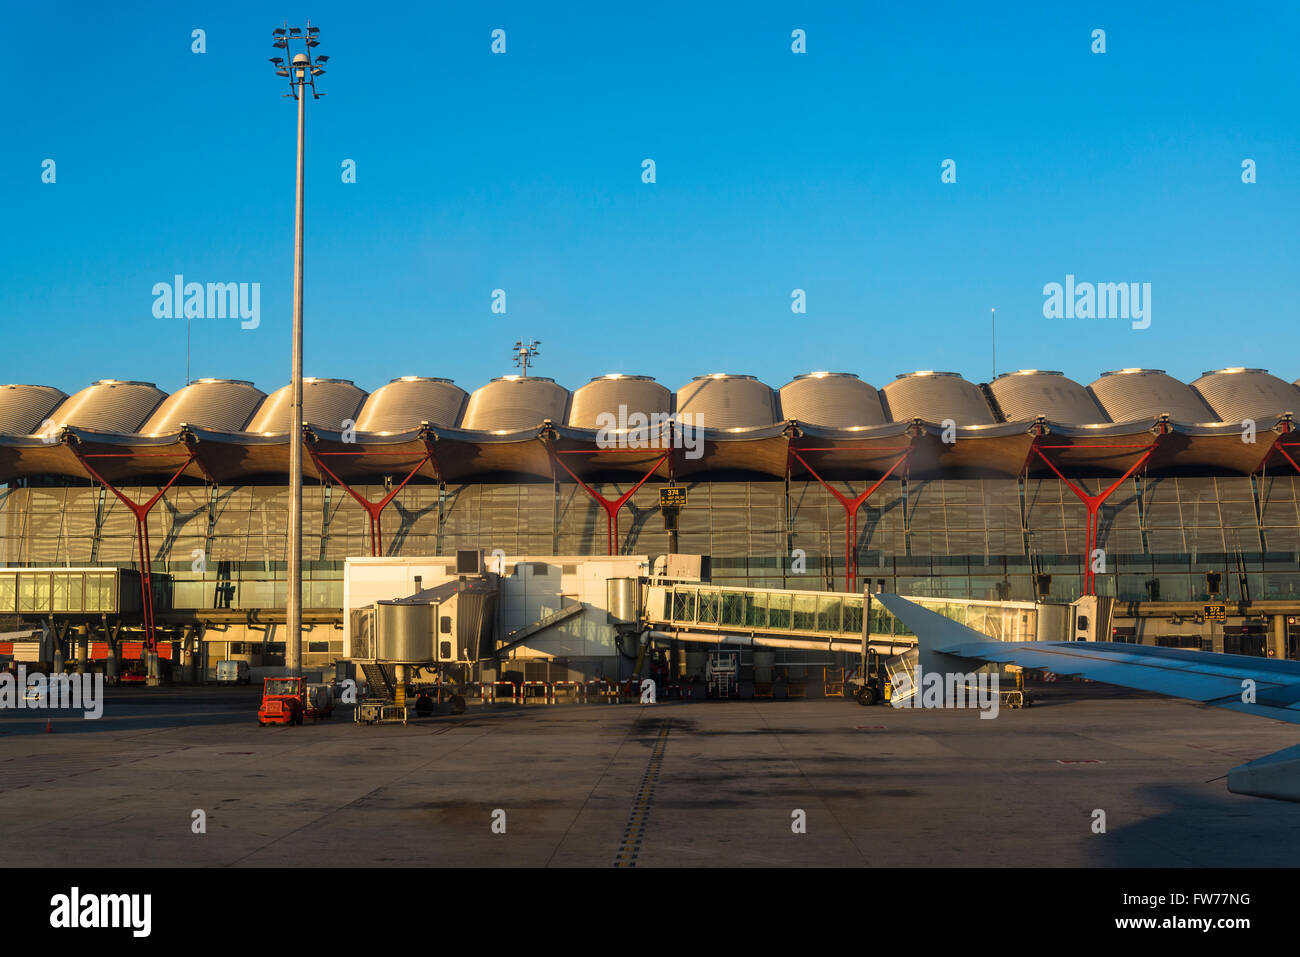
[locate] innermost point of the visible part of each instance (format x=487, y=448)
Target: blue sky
x=775, y=171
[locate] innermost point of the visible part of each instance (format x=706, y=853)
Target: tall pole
x=293, y=606
x=993, y=325
x=301, y=73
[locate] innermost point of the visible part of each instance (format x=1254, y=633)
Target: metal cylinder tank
x=223, y=405
x=834, y=400
x=403, y=632
x=1239, y=394
x=326, y=403
x=605, y=394
x=724, y=401
x=111, y=405
x=1030, y=393
x=1142, y=394
x=934, y=397
x=513, y=403
x=623, y=601
x=24, y=408
x=409, y=400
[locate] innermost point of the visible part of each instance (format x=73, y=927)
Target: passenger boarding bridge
x=816, y=620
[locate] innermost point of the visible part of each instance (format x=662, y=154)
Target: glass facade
x=225, y=546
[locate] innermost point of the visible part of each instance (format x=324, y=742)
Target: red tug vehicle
x=289, y=701
x=283, y=702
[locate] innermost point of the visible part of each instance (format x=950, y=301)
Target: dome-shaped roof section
x=512, y=403
x=223, y=405
x=1238, y=394
x=605, y=394
x=326, y=404
x=110, y=405
x=934, y=397
x=24, y=408
x=1133, y=394
x=406, y=402
x=722, y=401
x=835, y=400
x=1032, y=392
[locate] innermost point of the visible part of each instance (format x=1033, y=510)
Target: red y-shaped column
x=1094, y=502
x=1280, y=446
x=141, y=513
x=611, y=506
x=373, y=509
x=851, y=508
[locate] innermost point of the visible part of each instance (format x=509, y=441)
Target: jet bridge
x=816, y=620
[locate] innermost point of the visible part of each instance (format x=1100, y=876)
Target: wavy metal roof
x=25, y=408
x=407, y=401
x=935, y=397
x=846, y=428
x=110, y=405
x=837, y=400
x=725, y=401
x=1030, y=393
x=225, y=405
x=512, y=403
x=1239, y=393
x=605, y=395
x=1136, y=394
x=326, y=403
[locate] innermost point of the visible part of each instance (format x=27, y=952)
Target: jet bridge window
x=444, y=625
x=683, y=605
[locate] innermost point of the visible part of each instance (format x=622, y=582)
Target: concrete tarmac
x=818, y=782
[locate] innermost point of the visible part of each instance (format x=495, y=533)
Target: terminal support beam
x=852, y=506
x=1280, y=447
x=373, y=509
x=141, y=512
x=1093, y=503
x=611, y=506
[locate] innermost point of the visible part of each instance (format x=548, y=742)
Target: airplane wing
x=1265, y=687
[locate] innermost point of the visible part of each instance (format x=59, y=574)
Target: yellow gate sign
x=1217, y=611
x=672, y=496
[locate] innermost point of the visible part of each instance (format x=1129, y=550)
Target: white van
x=234, y=671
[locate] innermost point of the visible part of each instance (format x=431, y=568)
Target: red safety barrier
x=546, y=691
x=575, y=686
x=512, y=696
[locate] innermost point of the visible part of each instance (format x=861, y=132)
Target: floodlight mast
x=525, y=351
x=301, y=72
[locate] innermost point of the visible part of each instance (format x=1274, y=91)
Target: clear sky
x=775, y=171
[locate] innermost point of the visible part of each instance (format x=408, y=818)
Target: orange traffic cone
x=49, y=725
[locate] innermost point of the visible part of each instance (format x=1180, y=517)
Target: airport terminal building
x=1165, y=495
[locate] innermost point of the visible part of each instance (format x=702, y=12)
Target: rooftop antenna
x=524, y=352
x=994, y=320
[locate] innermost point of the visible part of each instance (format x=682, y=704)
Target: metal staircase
x=377, y=678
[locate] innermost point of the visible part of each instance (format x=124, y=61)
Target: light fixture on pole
x=525, y=351
x=302, y=73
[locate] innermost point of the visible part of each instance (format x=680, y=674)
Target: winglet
x=1275, y=775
